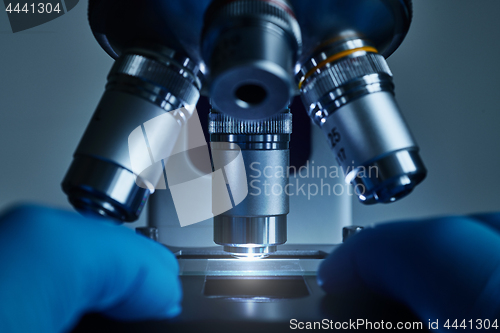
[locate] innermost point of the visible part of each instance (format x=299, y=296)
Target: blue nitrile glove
x=56, y=265
x=443, y=268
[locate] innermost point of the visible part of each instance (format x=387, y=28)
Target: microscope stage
x=226, y=294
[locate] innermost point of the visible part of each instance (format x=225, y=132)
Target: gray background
x=447, y=75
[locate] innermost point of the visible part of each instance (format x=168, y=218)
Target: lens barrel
x=348, y=89
x=144, y=83
x=251, y=47
x=258, y=224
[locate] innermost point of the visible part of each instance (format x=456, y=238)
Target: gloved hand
x=443, y=268
x=57, y=265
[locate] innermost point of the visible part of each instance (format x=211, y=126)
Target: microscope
x=227, y=208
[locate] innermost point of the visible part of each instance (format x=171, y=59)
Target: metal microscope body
x=251, y=58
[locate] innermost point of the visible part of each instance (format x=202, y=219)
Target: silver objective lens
x=144, y=83
x=250, y=48
x=348, y=89
x=257, y=225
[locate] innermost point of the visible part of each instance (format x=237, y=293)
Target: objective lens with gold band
x=348, y=91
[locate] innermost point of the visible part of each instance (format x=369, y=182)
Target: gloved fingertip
x=142, y=306
x=490, y=219
x=337, y=272
x=319, y=280
x=324, y=271
x=173, y=312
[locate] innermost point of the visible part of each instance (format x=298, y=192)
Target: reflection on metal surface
x=248, y=256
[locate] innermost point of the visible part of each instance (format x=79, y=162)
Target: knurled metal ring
x=337, y=74
x=177, y=80
x=278, y=11
x=220, y=123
